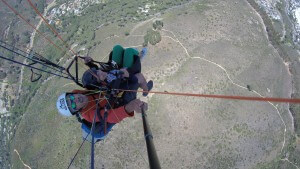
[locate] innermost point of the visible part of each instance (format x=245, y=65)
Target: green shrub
x=127, y=33
x=152, y=37
x=249, y=87
x=2, y=75
x=26, y=37
x=158, y=24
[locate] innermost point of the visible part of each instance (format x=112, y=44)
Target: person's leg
x=89, y=80
x=99, y=134
x=130, y=84
x=143, y=83
x=128, y=57
x=143, y=53
x=117, y=54
x=86, y=132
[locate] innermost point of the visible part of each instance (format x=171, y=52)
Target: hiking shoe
x=143, y=53
x=150, y=86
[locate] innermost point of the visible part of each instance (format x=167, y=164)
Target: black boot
x=149, y=86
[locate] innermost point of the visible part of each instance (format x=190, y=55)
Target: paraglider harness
x=102, y=125
x=113, y=96
x=89, y=80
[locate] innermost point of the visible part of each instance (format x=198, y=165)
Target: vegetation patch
x=158, y=24
x=242, y=129
x=153, y=37
x=201, y=7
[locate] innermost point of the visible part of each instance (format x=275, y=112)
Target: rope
x=52, y=29
x=12, y=9
x=94, y=120
x=78, y=150
x=55, y=32
x=34, y=60
x=93, y=127
x=18, y=14
x=264, y=99
x=34, y=68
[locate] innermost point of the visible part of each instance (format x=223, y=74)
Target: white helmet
x=62, y=106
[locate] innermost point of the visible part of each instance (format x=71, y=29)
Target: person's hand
x=144, y=107
x=137, y=106
x=126, y=73
x=87, y=59
x=101, y=75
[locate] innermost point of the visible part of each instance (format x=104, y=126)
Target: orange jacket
x=114, y=115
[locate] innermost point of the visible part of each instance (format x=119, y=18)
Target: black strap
x=105, y=119
x=32, y=76
x=35, y=68
x=98, y=110
x=78, y=117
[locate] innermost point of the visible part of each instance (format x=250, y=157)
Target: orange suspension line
x=248, y=98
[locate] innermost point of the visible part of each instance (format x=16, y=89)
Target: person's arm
x=90, y=62
x=113, y=116
x=92, y=65
x=118, y=114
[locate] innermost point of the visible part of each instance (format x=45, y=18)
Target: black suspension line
x=78, y=150
x=32, y=67
x=32, y=54
x=34, y=61
x=38, y=59
x=34, y=57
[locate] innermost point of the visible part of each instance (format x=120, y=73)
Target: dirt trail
x=141, y=24
x=287, y=65
x=176, y=40
x=3, y=109
x=25, y=165
x=30, y=46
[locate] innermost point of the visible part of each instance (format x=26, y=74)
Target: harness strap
x=102, y=121
x=105, y=120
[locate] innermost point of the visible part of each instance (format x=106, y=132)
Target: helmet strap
x=76, y=112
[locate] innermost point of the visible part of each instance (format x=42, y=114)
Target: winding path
x=175, y=39
x=25, y=165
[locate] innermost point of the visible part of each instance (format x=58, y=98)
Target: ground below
x=207, y=47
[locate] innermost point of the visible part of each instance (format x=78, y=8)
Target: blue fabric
x=144, y=53
x=88, y=79
x=99, y=132
x=113, y=75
